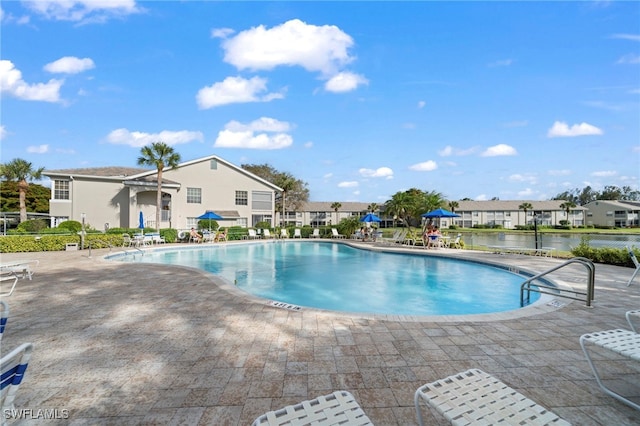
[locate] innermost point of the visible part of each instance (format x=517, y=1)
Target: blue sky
x=515, y=100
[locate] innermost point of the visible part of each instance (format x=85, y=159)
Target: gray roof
x=112, y=171
x=325, y=206
x=511, y=205
x=616, y=203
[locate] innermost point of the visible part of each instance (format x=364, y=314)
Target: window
x=261, y=200
x=242, y=221
x=213, y=165
x=61, y=190
x=194, y=195
x=242, y=198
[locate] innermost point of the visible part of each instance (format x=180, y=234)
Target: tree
x=37, y=197
x=373, y=207
x=336, y=206
x=297, y=191
x=160, y=155
x=567, y=206
x=453, y=205
x=21, y=171
x=287, y=182
x=526, y=207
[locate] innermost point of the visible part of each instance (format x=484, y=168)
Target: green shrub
x=32, y=226
x=208, y=224
x=608, y=255
x=71, y=225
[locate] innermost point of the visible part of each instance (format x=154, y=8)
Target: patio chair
x=12, y=368
x=284, y=233
x=634, y=259
x=335, y=234
x=267, y=234
x=221, y=236
x=475, y=397
x=21, y=268
x=7, y=277
x=4, y=316
x=630, y=314
x=315, y=234
x=126, y=240
x=297, y=233
x=456, y=243
x=251, y=234
x=338, y=408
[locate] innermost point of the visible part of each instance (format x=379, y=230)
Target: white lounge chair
x=267, y=234
x=12, y=368
x=338, y=408
x=297, y=233
x=251, y=234
x=631, y=314
x=8, y=280
x=284, y=233
x=4, y=316
x=20, y=268
x=315, y=234
x=456, y=243
x=622, y=342
x=335, y=234
x=475, y=397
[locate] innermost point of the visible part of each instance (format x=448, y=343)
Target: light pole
x=83, y=216
x=535, y=228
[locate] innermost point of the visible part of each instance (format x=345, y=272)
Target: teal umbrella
x=209, y=215
x=370, y=217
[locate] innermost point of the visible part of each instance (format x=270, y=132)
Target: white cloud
x=421, y=104
x=520, y=123
x=501, y=63
x=38, y=149
x=70, y=65
x=632, y=37
x=349, y=184
x=526, y=193
x=344, y=82
x=3, y=132
x=631, y=58
x=448, y=151
x=221, y=32
x=604, y=173
x=561, y=129
x=140, y=139
x=327, y=176
x=87, y=11
x=481, y=197
x=239, y=135
x=234, y=90
x=314, y=48
x=426, y=166
x=527, y=177
x=384, y=172
x=499, y=150
x=11, y=82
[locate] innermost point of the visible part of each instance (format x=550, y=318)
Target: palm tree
x=453, y=205
x=567, y=206
x=335, y=206
x=526, y=207
x=21, y=171
x=160, y=155
x=373, y=207
x=287, y=182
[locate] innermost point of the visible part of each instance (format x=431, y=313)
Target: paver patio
x=123, y=343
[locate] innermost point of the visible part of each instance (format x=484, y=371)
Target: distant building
x=320, y=213
x=115, y=196
x=620, y=214
x=508, y=213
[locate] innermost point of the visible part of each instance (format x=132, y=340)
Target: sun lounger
x=629, y=315
x=12, y=369
x=634, y=259
x=8, y=280
x=622, y=342
x=4, y=316
x=20, y=268
x=338, y=408
x=475, y=397
x=335, y=234
x=316, y=233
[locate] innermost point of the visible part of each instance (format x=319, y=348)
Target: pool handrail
x=541, y=288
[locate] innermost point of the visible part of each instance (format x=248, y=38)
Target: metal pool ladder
x=527, y=286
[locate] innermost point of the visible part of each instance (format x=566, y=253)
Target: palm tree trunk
x=22, y=188
x=158, y=199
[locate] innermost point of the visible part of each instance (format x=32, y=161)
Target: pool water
x=338, y=277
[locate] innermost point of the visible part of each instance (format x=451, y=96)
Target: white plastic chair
x=316, y=233
x=335, y=234
x=252, y=234
x=12, y=368
x=284, y=233
x=634, y=259
x=338, y=408
x=267, y=233
x=297, y=233
x=5, y=278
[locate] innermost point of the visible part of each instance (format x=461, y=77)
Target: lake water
x=561, y=242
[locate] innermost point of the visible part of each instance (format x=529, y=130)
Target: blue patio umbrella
x=440, y=213
x=370, y=217
x=211, y=216
x=141, y=221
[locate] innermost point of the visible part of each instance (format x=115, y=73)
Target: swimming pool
x=339, y=277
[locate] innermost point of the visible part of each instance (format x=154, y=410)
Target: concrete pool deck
x=126, y=343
